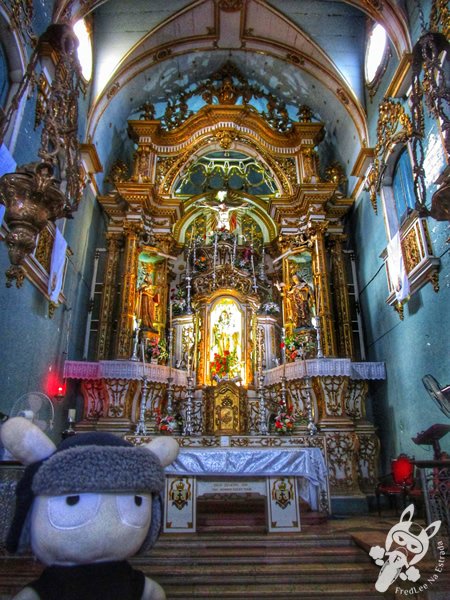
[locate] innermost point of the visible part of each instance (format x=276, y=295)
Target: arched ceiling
x=303, y=52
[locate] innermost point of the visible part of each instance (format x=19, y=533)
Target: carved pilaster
x=331, y=392
x=322, y=287
x=128, y=297
x=342, y=449
x=114, y=241
x=368, y=452
x=343, y=317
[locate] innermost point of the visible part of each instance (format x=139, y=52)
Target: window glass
x=376, y=49
x=84, y=49
x=403, y=187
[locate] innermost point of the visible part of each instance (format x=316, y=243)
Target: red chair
x=400, y=482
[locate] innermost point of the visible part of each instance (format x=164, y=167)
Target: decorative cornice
x=210, y=119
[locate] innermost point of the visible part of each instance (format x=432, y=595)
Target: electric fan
x=440, y=395
x=37, y=407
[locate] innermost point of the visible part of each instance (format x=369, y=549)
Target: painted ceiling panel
x=119, y=25
x=338, y=28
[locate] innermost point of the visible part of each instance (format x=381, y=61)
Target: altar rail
x=317, y=367
x=122, y=369
x=326, y=367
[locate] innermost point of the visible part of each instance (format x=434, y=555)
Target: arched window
x=402, y=186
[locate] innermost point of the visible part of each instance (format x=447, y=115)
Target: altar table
x=281, y=475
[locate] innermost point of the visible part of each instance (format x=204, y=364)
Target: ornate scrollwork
x=335, y=173
x=394, y=126
x=369, y=446
x=226, y=277
x=226, y=86
x=341, y=449
x=59, y=143
x=32, y=198
x=118, y=172
x=430, y=85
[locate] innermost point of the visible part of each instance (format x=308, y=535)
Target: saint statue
x=148, y=300
x=300, y=302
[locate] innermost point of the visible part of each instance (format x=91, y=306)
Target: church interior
x=226, y=221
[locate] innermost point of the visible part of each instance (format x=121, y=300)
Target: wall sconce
x=50, y=188
x=60, y=392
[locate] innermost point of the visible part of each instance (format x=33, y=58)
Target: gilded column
x=322, y=287
x=128, y=296
x=114, y=241
x=340, y=284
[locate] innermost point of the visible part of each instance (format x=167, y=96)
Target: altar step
x=271, y=566
x=324, y=565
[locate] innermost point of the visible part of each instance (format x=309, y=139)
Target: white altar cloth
x=307, y=463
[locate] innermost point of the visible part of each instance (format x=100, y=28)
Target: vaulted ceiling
x=303, y=51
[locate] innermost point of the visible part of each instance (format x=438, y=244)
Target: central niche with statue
x=226, y=328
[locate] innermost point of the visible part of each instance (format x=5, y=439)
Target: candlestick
x=141, y=428
x=143, y=357
x=169, y=395
x=312, y=428
x=262, y=405
x=194, y=256
x=134, y=356
x=187, y=428
x=262, y=266
x=215, y=259
x=234, y=249
x=252, y=262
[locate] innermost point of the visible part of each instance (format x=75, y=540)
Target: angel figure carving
x=226, y=212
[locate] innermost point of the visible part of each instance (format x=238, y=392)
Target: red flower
x=282, y=345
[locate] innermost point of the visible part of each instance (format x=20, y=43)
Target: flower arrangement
x=223, y=235
x=168, y=423
x=223, y=365
x=270, y=308
x=299, y=346
x=201, y=263
x=178, y=300
x=157, y=350
x=244, y=261
x=284, y=421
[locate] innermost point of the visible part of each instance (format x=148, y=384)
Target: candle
x=170, y=315
x=72, y=414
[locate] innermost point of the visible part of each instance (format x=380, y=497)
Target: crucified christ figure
x=223, y=210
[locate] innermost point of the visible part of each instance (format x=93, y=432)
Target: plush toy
x=85, y=507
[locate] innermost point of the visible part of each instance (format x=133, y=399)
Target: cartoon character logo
x=406, y=543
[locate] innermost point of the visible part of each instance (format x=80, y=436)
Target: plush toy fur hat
x=89, y=462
